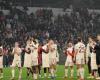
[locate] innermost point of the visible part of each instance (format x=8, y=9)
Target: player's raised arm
x=12, y=51
x=45, y=50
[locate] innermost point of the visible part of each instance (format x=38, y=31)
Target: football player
x=80, y=57
x=17, y=60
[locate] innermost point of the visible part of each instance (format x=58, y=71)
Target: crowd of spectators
x=18, y=26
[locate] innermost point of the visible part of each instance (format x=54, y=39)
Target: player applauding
x=17, y=60
x=69, y=52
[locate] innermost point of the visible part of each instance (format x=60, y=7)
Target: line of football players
x=36, y=56
x=46, y=56
x=79, y=55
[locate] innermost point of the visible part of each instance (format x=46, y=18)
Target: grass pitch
x=60, y=74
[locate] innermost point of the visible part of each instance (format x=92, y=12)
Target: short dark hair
x=0, y=44
x=79, y=39
x=93, y=38
x=98, y=34
x=69, y=41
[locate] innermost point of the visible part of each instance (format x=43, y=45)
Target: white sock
x=39, y=75
x=45, y=74
x=82, y=73
x=49, y=75
x=72, y=71
x=13, y=73
x=78, y=72
x=52, y=72
x=35, y=76
x=66, y=72
x=20, y=73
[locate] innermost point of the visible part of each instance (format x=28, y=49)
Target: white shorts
x=80, y=58
x=1, y=61
x=45, y=61
x=16, y=62
x=34, y=61
x=53, y=61
x=69, y=62
x=93, y=61
x=27, y=60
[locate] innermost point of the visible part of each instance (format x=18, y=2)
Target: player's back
x=80, y=47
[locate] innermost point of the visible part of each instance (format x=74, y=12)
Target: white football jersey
x=53, y=54
x=43, y=53
x=45, y=57
x=80, y=47
x=35, y=51
x=16, y=52
x=69, y=50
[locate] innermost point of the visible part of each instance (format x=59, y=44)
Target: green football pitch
x=59, y=74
